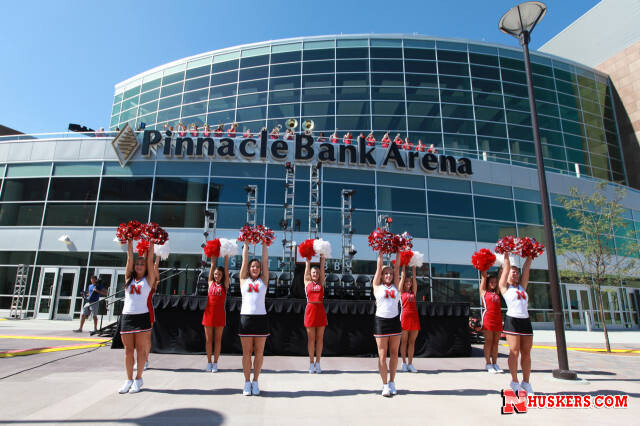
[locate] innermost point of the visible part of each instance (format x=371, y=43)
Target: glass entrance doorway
x=56, y=290
x=579, y=305
x=114, y=280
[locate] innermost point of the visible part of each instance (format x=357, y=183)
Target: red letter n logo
x=511, y=403
x=136, y=288
x=521, y=295
x=390, y=294
x=254, y=287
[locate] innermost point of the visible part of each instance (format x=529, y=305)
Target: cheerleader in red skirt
x=409, y=318
x=491, y=320
x=315, y=318
x=213, y=319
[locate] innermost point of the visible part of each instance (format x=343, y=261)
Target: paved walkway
x=80, y=386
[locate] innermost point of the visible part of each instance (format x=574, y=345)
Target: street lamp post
x=519, y=21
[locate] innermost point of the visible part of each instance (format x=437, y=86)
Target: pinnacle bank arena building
x=63, y=195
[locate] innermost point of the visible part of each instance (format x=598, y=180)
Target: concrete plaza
x=80, y=386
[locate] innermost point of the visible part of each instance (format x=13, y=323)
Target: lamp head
x=520, y=20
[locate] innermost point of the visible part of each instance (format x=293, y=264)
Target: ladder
x=209, y=232
x=252, y=204
x=314, y=200
x=287, y=223
x=347, y=231
x=19, y=290
x=384, y=222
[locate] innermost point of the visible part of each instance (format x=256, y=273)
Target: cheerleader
x=334, y=138
x=408, y=146
x=136, y=318
x=194, y=130
x=321, y=137
x=254, y=323
x=213, y=319
x=348, y=138
x=218, y=132
x=246, y=134
x=409, y=318
x=388, y=330
x=233, y=130
x=207, y=130
x=315, y=318
x=371, y=140
x=386, y=140
x=420, y=147
x=275, y=132
x=491, y=320
x=517, y=324
x=182, y=132
x=398, y=140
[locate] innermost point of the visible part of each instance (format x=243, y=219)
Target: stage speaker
x=202, y=285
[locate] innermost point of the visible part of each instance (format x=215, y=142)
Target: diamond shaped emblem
x=125, y=144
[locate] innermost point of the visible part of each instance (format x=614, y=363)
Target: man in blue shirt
x=91, y=299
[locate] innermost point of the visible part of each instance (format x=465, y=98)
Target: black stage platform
x=178, y=329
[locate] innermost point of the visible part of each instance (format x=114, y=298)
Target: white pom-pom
x=322, y=247
x=514, y=260
x=162, y=251
x=417, y=259
x=228, y=247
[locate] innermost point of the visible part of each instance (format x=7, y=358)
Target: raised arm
x=152, y=278
x=378, y=276
x=322, y=263
x=156, y=268
x=414, y=281
x=265, y=264
x=504, y=276
x=307, y=272
x=526, y=268
x=483, y=283
x=403, y=275
x=396, y=269
x=227, y=277
x=214, y=261
x=128, y=272
x=244, y=269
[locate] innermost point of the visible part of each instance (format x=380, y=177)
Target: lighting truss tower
x=17, y=301
x=384, y=222
x=347, y=231
x=314, y=200
x=252, y=204
x=209, y=231
x=288, y=244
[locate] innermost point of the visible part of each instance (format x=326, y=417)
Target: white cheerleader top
x=253, y=296
x=137, y=297
x=517, y=301
x=387, y=300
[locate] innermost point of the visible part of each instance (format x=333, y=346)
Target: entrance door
x=46, y=293
x=579, y=304
x=66, y=289
x=114, y=279
x=612, y=307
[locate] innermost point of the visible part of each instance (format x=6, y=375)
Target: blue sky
x=61, y=59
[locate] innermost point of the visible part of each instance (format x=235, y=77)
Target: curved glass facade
x=465, y=98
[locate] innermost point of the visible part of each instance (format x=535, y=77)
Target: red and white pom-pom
x=405, y=257
x=506, y=245
x=382, y=240
x=153, y=233
x=228, y=247
x=483, y=259
x=212, y=248
x=266, y=235
x=402, y=242
x=249, y=235
x=322, y=248
x=162, y=251
x=417, y=259
x=129, y=231
x=142, y=247
x=529, y=247
x=306, y=249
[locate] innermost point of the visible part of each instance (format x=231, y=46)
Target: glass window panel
x=453, y=68
x=363, y=197
x=285, y=69
x=455, y=83
x=197, y=72
x=488, y=86
x=422, y=80
x=388, y=108
x=172, y=78
x=151, y=85
x=412, y=53
x=455, y=96
x=485, y=72
x=494, y=208
x=180, y=189
x=74, y=169
x=528, y=212
x=253, y=61
x=536, y=232
x=151, y=107
x=254, y=73
x=196, y=83
x=113, y=214
x=222, y=91
x=252, y=86
x=460, y=142
x=423, y=109
x=348, y=53
x=387, y=93
x=221, y=117
x=481, y=188
x=169, y=102
x=401, y=180
x=249, y=114
x=318, y=67
x=131, y=169
x=316, y=54
x=20, y=214
x=450, y=204
x=458, y=126
x=168, y=114
x=194, y=109
x=353, y=122
x=232, y=190
x=457, y=111
x=221, y=104
x=29, y=170
x=318, y=108
x=125, y=188
x=224, y=66
x=405, y=200
x=321, y=94
x=171, y=90
x=424, y=95
x=83, y=189
x=34, y=189
x=444, y=184
x=348, y=175
x=458, y=53
x=380, y=79
x=352, y=93
x=422, y=67
x=323, y=123
x=389, y=123
x=352, y=79
x=229, y=169
x=414, y=224
x=426, y=124
x=285, y=96
x=318, y=80
x=493, y=231
x=252, y=100
x=277, y=58
x=284, y=110
x=131, y=92
x=486, y=99
x=69, y=214
x=191, y=168
x=382, y=65
x=224, y=78
x=451, y=229
x=491, y=129
x=489, y=114
x=149, y=96
x=178, y=215
x=353, y=108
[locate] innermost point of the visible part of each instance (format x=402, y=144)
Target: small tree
x=589, y=245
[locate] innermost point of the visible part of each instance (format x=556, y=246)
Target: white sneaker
x=209, y=368
x=312, y=368
x=255, y=390
x=125, y=388
x=214, y=367
x=146, y=365
x=318, y=369
x=385, y=391
x=136, y=387
x=498, y=369
x=411, y=368
x=404, y=367
x=527, y=388
x=392, y=388
x=515, y=386
x=490, y=368
x=247, y=389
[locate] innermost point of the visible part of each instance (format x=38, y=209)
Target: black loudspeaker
x=297, y=284
x=202, y=286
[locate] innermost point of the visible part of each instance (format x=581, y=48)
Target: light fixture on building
x=65, y=239
x=484, y=155
x=577, y=167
